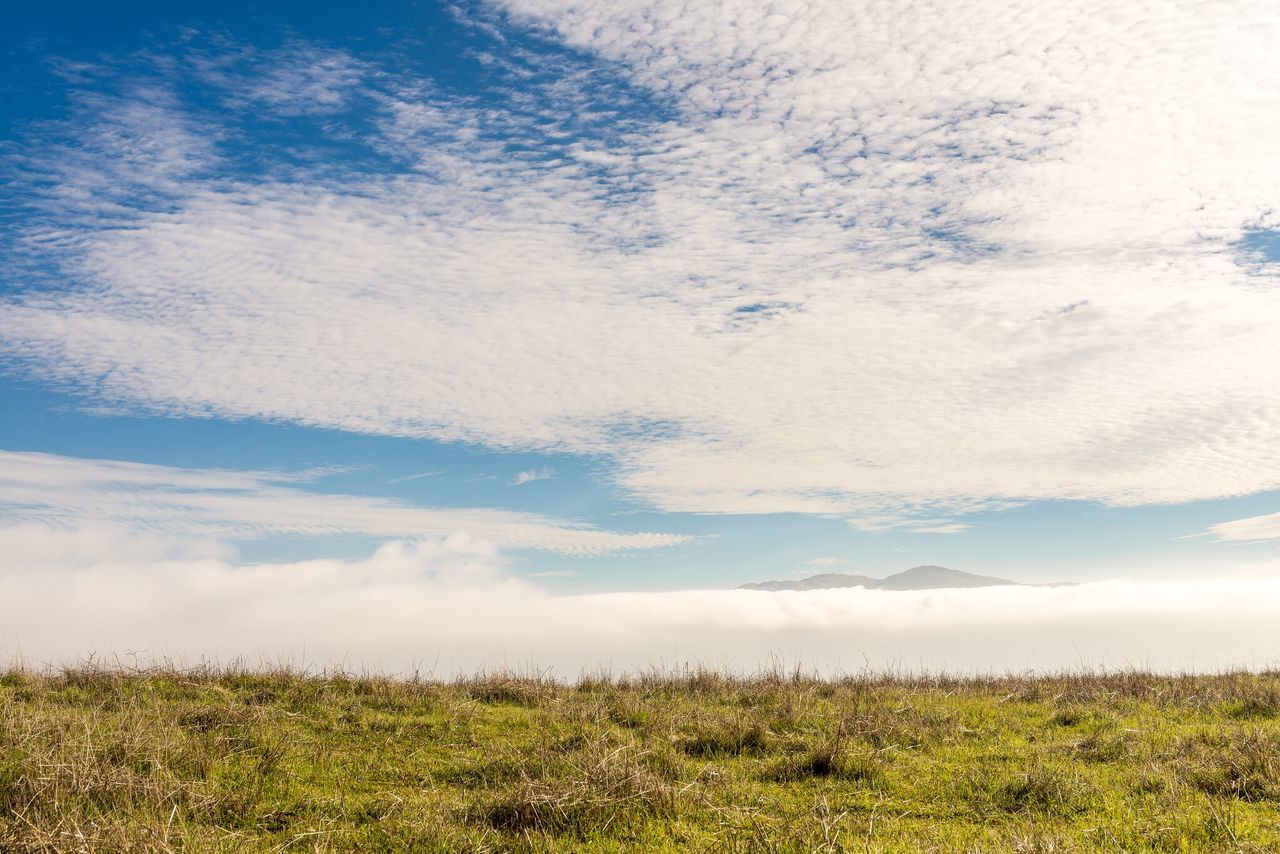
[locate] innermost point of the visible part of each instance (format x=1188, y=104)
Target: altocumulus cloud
x=844, y=257
x=449, y=604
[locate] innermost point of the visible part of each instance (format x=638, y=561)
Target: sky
x=323, y=325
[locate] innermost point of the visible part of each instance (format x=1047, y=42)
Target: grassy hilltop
x=98, y=760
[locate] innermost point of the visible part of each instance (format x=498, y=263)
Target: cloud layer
x=448, y=606
x=828, y=257
x=212, y=503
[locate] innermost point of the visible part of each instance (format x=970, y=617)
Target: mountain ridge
x=924, y=577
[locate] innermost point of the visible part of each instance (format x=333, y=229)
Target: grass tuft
x=1044, y=790
x=600, y=789
x=1246, y=767
x=827, y=762
x=732, y=736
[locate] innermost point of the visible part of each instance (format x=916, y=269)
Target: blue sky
x=648, y=298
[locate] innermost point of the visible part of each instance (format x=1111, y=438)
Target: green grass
x=107, y=760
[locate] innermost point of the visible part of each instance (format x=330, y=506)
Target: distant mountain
x=916, y=578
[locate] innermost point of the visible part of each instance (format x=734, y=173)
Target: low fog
x=451, y=606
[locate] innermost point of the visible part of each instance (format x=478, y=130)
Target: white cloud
x=909, y=259
x=948, y=528
x=553, y=573
x=880, y=524
x=824, y=561
x=1251, y=529
x=449, y=603
x=530, y=475
x=214, y=503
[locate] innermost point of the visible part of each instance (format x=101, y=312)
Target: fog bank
x=449, y=606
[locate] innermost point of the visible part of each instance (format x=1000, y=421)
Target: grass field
x=107, y=760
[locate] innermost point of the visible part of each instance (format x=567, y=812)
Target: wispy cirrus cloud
x=417, y=476
x=916, y=525
x=218, y=504
x=854, y=259
x=531, y=475
x=1251, y=529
